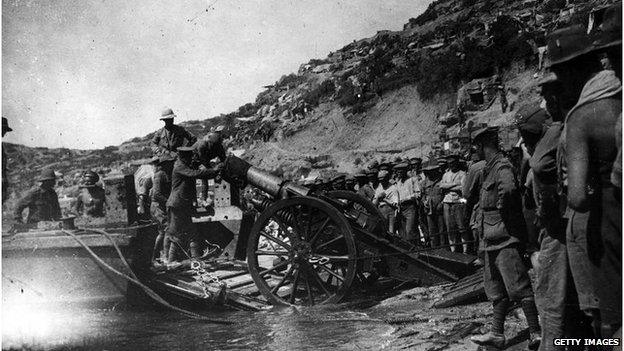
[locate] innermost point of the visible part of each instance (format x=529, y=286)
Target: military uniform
x=454, y=206
x=159, y=194
x=91, y=202
x=432, y=203
x=42, y=205
x=169, y=140
x=504, y=233
x=408, y=191
x=387, y=200
x=180, y=202
x=364, y=188
x=471, y=189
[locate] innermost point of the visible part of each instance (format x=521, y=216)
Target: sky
x=92, y=73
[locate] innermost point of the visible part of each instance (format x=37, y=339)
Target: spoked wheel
x=301, y=251
x=354, y=204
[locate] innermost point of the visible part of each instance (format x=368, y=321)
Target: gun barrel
x=276, y=187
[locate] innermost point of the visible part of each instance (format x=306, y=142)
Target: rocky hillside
x=394, y=94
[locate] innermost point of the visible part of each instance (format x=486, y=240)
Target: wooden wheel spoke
x=272, y=253
x=319, y=231
x=329, y=242
x=281, y=282
x=277, y=266
x=302, y=233
x=277, y=241
x=335, y=258
x=319, y=281
x=293, y=289
x=332, y=273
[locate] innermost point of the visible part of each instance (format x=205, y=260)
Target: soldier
x=171, y=136
x=502, y=93
x=364, y=187
x=180, y=208
x=451, y=183
x=5, y=179
x=470, y=190
x=505, y=276
x=92, y=200
x=42, y=201
x=159, y=195
x=589, y=149
x=442, y=162
x=208, y=148
x=408, y=192
x=374, y=166
x=372, y=179
x=387, y=198
x=416, y=169
x=432, y=203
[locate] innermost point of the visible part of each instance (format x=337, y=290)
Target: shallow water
x=314, y=328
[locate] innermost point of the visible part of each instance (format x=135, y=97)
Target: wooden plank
x=466, y=289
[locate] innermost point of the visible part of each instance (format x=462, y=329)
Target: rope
x=135, y=281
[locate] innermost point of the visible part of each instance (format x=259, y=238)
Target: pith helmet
x=567, y=43
x=167, y=113
x=47, y=174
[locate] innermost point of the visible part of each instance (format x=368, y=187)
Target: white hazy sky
x=88, y=74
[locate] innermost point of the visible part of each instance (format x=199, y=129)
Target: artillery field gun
x=311, y=248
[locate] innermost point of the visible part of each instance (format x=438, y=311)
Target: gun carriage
x=309, y=248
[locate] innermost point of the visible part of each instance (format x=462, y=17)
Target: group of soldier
x=421, y=203
x=169, y=197
x=179, y=160
x=558, y=210
x=570, y=180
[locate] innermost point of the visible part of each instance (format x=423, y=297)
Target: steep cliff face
x=383, y=96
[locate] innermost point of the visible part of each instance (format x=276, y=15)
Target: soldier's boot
x=531, y=315
x=195, y=249
x=490, y=339
x=496, y=336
